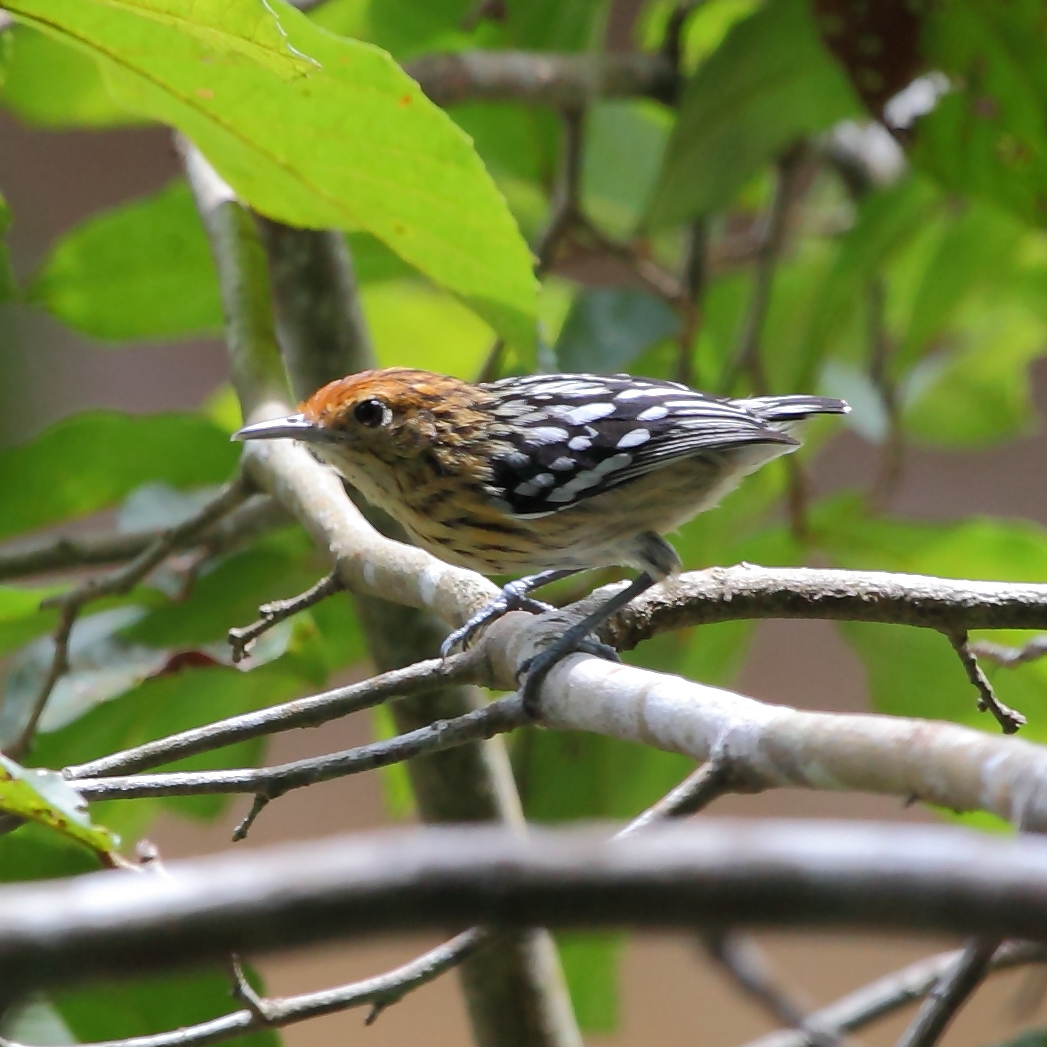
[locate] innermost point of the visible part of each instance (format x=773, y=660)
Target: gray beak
x=296, y=426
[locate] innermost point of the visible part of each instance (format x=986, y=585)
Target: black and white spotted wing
x=575, y=436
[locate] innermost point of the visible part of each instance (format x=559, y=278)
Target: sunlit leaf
x=314, y=130
x=51, y=84
x=979, y=393
x=46, y=797
x=141, y=270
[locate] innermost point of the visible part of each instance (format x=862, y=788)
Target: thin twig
x=881, y=346
x=1009, y=657
x=693, y=277
x=242, y=990
x=672, y=41
x=565, y=204
x=257, y=514
x=380, y=992
x=739, y=957
x=565, y=213
x=748, y=358
x=496, y=718
x=119, y=582
x=952, y=990
x=259, y=804
x=301, y=712
x=892, y=992
x=242, y=639
x=1009, y=719
x=713, y=779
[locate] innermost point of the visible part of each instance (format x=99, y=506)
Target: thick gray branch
x=707, y=875
x=722, y=594
x=557, y=80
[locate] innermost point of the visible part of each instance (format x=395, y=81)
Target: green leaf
x=21, y=618
x=313, y=130
x=979, y=547
x=591, y=967
x=979, y=394
x=35, y=852
x=34, y=1020
x=415, y=326
x=119, y=1011
x=977, y=249
x=48, y=83
x=769, y=83
x=624, y=143
x=555, y=25
x=886, y=221
x=145, y=270
x=173, y=702
x=607, y=328
x=92, y=460
x=988, y=135
x=8, y=284
x=141, y=270
x=47, y=798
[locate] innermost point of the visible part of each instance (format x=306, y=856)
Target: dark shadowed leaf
x=769, y=83
x=988, y=135
x=607, y=328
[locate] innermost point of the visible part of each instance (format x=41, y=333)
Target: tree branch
x=24, y=560
x=706, y=874
x=301, y=712
x=556, y=80
x=721, y=594
x=896, y=990
x=952, y=990
x=270, y=782
x=118, y=582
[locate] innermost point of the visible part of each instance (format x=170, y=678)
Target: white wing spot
x=634, y=439
x=588, y=413
x=633, y=394
x=579, y=443
x=652, y=414
x=546, y=434
x=563, y=464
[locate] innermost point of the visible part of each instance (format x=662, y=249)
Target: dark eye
x=370, y=413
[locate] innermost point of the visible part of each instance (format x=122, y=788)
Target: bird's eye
x=370, y=413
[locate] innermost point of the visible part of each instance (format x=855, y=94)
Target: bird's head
x=378, y=419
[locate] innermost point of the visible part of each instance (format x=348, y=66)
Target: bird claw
x=491, y=612
x=536, y=668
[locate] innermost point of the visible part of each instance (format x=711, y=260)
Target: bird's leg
x=576, y=639
x=513, y=598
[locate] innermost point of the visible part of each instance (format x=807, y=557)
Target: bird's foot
x=537, y=667
x=510, y=600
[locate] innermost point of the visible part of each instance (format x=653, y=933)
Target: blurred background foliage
x=841, y=197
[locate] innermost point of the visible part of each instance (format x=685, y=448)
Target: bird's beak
x=296, y=426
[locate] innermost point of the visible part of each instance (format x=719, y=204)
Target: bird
x=541, y=475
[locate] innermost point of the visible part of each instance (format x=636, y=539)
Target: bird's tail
x=785, y=409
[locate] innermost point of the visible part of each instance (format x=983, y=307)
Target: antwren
x=543, y=475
